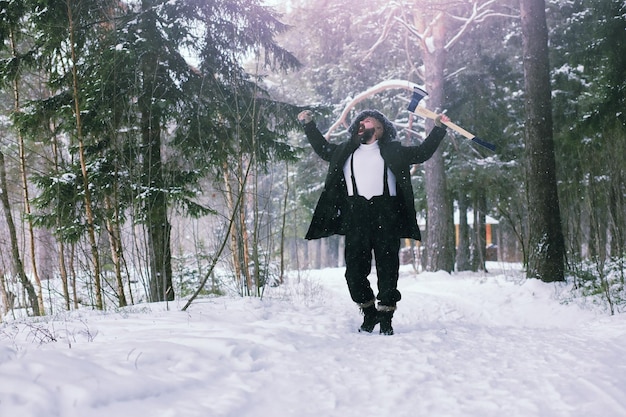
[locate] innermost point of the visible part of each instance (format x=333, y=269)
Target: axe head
x=484, y=143
x=418, y=95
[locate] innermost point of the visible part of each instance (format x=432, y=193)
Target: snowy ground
x=465, y=345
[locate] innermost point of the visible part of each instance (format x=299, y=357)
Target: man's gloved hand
x=305, y=117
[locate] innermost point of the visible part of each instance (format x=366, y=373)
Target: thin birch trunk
x=62, y=265
x=73, y=275
x=228, y=233
x=116, y=248
x=8, y=298
x=283, y=225
x=24, y=178
x=245, y=250
x=83, y=166
x=18, y=266
x=63, y=273
x=230, y=203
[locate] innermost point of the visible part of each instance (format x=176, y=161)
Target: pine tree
x=546, y=257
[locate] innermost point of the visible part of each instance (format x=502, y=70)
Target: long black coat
x=328, y=216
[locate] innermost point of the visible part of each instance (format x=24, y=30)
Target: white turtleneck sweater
x=368, y=172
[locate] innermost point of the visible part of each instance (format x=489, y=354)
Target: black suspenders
x=355, y=191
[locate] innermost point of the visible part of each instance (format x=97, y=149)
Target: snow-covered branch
x=382, y=86
x=480, y=12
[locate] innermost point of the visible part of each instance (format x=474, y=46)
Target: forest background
x=150, y=149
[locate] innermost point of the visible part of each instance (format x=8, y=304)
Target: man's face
x=373, y=123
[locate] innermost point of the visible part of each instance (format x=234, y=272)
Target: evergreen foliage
x=183, y=105
x=164, y=102
x=590, y=123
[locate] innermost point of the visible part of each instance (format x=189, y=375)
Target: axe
x=419, y=94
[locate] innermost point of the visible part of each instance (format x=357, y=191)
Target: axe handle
x=424, y=112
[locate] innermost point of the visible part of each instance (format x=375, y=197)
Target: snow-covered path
x=465, y=345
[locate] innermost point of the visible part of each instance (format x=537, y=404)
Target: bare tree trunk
x=439, y=224
x=259, y=274
x=83, y=165
x=245, y=249
x=155, y=204
x=18, y=266
x=480, y=208
x=283, y=225
x=228, y=233
x=239, y=244
x=63, y=274
x=462, y=250
x=234, y=247
x=8, y=298
x=546, y=244
x=24, y=178
x=115, y=242
x=617, y=196
x=61, y=243
x=73, y=275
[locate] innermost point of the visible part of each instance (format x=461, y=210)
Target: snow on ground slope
x=465, y=345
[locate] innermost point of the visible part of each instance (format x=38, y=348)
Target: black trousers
x=373, y=226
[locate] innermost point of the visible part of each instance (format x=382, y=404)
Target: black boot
x=384, y=316
x=370, y=317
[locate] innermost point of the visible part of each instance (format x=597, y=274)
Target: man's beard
x=366, y=134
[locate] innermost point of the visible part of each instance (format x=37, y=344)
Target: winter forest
x=150, y=151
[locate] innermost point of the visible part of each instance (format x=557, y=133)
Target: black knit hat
x=389, y=130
